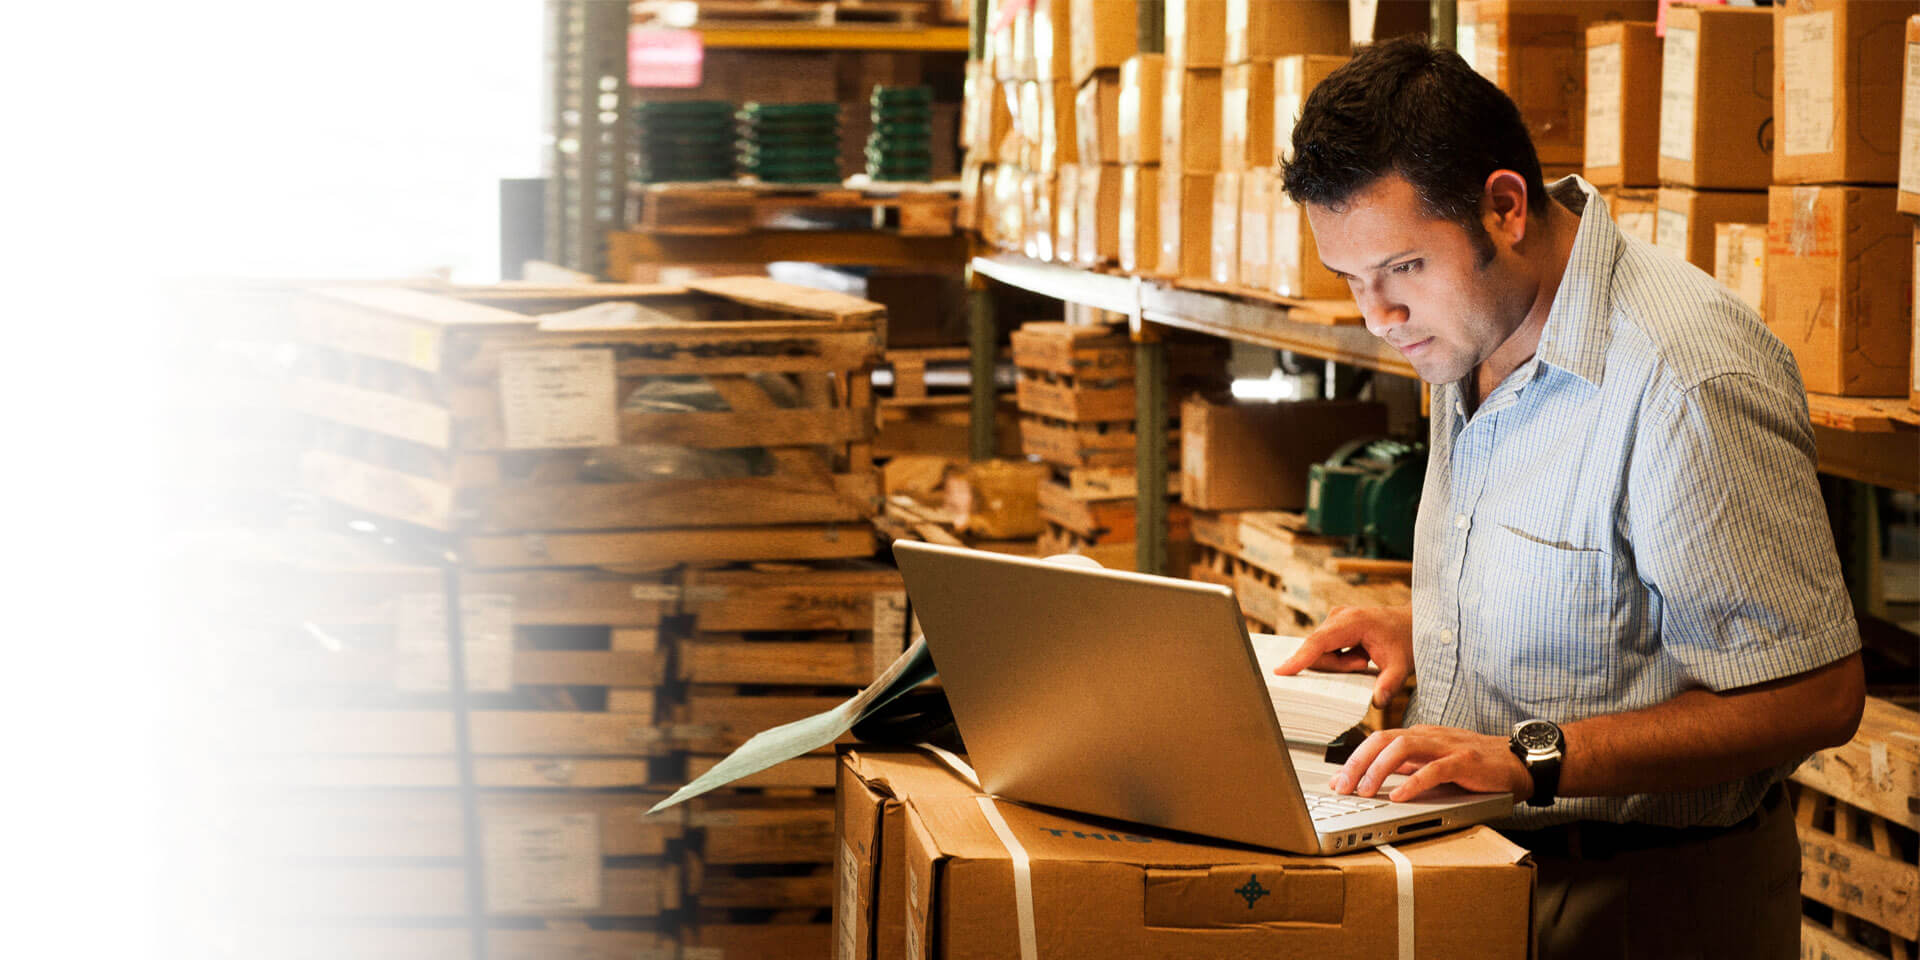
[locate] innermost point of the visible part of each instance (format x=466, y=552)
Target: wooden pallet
x=909, y=368
x=1098, y=518
x=683, y=209
x=1074, y=400
x=462, y=417
x=1857, y=808
x=1862, y=414
x=1107, y=444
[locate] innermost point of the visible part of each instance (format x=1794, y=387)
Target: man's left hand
x=1431, y=756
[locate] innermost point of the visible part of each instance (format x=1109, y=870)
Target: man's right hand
x=1352, y=637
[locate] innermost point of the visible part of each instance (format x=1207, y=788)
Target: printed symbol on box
x=1252, y=890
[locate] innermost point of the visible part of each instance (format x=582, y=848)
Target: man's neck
x=1549, y=264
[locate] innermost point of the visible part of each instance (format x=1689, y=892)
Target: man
x=1620, y=535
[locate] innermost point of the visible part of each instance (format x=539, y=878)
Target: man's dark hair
x=1408, y=107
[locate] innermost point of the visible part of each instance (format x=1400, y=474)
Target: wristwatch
x=1539, y=744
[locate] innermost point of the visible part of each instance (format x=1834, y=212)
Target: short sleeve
x=1729, y=530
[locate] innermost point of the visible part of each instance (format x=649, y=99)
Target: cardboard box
x=1006, y=226
x=1196, y=33
x=1190, y=119
x=1000, y=45
x=1623, y=105
x=1037, y=193
x=1105, y=34
x=1066, y=213
x=1836, y=99
x=1139, y=218
x=1259, y=31
x=1246, y=116
x=1910, y=123
x=1256, y=228
x=1023, y=63
x=1052, y=41
x=1535, y=50
x=1838, y=273
x=1684, y=219
x=1142, y=85
x=1098, y=238
x=1059, y=136
x=1223, y=258
x=1254, y=456
x=1029, y=119
x=925, y=868
x=1293, y=78
x=1186, y=224
x=1096, y=120
x=1716, y=104
x=1636, y=211
x=1740, y=260
x=1297, y=271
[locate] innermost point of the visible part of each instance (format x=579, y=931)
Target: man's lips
x=1414, y=347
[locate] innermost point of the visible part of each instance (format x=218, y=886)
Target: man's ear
x=1503, y=207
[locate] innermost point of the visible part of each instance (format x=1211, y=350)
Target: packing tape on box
x=1022, y=878
x=1800, y=238
x=1403, y=880
x=954, y=763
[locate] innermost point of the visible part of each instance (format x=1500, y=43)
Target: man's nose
x=1380, y=313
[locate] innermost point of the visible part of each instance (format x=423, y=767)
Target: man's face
x=1419, y=281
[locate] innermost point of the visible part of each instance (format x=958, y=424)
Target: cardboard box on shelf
x=1535, y=50
x=1716, y=101
x=1196, y=33
x=1636, y=210
x=1293, y=78
x=1096, y=121
x=1052, y=40
x=1037, y=192
x=1740, y=260
x=1139, y=218
x=1910, y=122
x=1059, y=141
x=1142, y=84
x=1030, y=121
x=1623, y=105
x=1190, y=119
x=1256, y=228
x=1246, y=116
x=1066, y=213
x=1297, y=270
x=1105, y=34
x=1098, y=240
x=1186, y=224
x=1836, y=91
x=1023, y=64
x=1263, y=30
x=1254, y=455
x=1838, y=272
x=1684, y=219
x=1223, y=258
x=925, y=867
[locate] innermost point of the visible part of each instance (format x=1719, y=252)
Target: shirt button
x=1460, y=520
x=1446, y=636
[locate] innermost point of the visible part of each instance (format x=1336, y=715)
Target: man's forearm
x=1701, y=738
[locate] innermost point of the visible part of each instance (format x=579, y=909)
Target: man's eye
x=1408, y=267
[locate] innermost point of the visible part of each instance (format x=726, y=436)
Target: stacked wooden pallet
x=1858, y=811
x=769, y=644
x=1288, y=578
x=610, y=426
x=349, y=830
x=919, y=419
x=1077, y=400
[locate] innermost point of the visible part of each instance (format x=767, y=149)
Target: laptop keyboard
x=1326, y=806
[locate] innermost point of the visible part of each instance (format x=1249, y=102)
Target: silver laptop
x=1137, y=697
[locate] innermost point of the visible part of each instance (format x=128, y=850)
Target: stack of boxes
x=1294, y=268
x=1622, y=146
x=1142, y=81
x=1190, y=101
x=1839, y=255
x=1716, y=126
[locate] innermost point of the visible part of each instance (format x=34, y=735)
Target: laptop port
x=1406, y=828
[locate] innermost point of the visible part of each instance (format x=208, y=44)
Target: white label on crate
x=1739, y=257
x=1286, y=112
x=846, y=901
x=1670, y=231
x=1677, y=64
x=1289, y=274
x=1603, y=105
x=889, y=628
x=542, y=861
x=420, y=642
x=559, y=398
x=1637, y=223
x=1806, y=76
x=1910, y=125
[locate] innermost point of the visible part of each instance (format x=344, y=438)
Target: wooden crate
x=1106, y=444
x=739, y=402
x=1857, y=808
x=1301, y=571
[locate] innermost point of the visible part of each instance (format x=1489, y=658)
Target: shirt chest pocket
x=1546, y=630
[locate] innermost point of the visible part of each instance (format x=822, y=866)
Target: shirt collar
x=1577, y=331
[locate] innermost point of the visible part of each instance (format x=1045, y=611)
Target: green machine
x=1369, y=490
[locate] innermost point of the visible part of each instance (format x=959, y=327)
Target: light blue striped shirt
x=1632, y=513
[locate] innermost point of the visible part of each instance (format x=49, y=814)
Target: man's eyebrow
x=1391, y=258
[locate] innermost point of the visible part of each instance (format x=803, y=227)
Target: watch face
x=1537, y=735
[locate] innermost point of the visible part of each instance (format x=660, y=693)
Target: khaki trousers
x=1731, y=893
